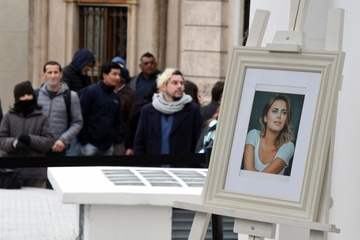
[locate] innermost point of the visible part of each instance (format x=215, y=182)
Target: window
x=103, y=30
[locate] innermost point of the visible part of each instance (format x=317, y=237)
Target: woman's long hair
x=286, y=134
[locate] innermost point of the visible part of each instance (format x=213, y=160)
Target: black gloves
x=24, y=139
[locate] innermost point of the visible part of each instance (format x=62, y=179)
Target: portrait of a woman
x=270, y=149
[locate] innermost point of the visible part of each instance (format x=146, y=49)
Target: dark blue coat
x=184, y=133
x=100, y=107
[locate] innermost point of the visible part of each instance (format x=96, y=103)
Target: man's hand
x=25, y=139
x=18, y=144
x=129, y=151
x=58, y=146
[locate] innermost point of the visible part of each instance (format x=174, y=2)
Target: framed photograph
x=273, y=135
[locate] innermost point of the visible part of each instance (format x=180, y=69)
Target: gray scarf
x=165, y=107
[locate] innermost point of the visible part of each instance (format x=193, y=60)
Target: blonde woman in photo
x=270, y=149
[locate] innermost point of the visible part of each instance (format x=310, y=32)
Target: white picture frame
x=313, y=79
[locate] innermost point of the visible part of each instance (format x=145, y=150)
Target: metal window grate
x=156, y=177
x=159, y=178
x=123, y=177
x=191, y=179
x=103, y=30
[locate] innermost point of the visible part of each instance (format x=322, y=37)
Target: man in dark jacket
x=1, y=112
x=209, y=110
x=76, y=78
x=146, y=79
x=100, y=107
x=2, y=153
x=75, y=74
x=172, y=122
x=128, y=102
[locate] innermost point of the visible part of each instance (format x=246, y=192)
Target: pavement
x=36, y=214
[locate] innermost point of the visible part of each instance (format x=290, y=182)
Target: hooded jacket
x=72, y=73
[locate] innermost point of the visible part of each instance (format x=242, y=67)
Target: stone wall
x=197, y=41
x=204, y=43
x=13, y=48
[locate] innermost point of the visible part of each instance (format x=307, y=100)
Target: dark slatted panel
x=182, y=221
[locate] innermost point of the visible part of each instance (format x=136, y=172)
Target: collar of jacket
x=107, y=89
x=34, y=113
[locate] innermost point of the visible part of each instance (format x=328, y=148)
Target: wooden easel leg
x=199, y=226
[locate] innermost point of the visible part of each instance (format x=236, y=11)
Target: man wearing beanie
x=75, y=74
x=25, y=132
x=128, y=99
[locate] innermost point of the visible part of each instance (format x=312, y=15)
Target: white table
x=125, y=202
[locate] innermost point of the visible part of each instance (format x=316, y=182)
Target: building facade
x=191, y=35
x=198, y=39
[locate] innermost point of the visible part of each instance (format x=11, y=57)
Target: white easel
x=258, y=226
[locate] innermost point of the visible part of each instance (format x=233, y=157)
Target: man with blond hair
x=171, y=124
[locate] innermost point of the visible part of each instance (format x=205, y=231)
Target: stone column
x=131, y=39
x=151, y=30
x=71, y=29
x=204, y=43
x=38, y=39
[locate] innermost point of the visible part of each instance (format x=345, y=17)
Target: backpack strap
x=67, y=100
x=37, y=93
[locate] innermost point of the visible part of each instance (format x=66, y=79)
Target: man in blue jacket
x=100, y=107
x=172, y=122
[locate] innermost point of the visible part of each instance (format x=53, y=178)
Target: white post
x=258, y=27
